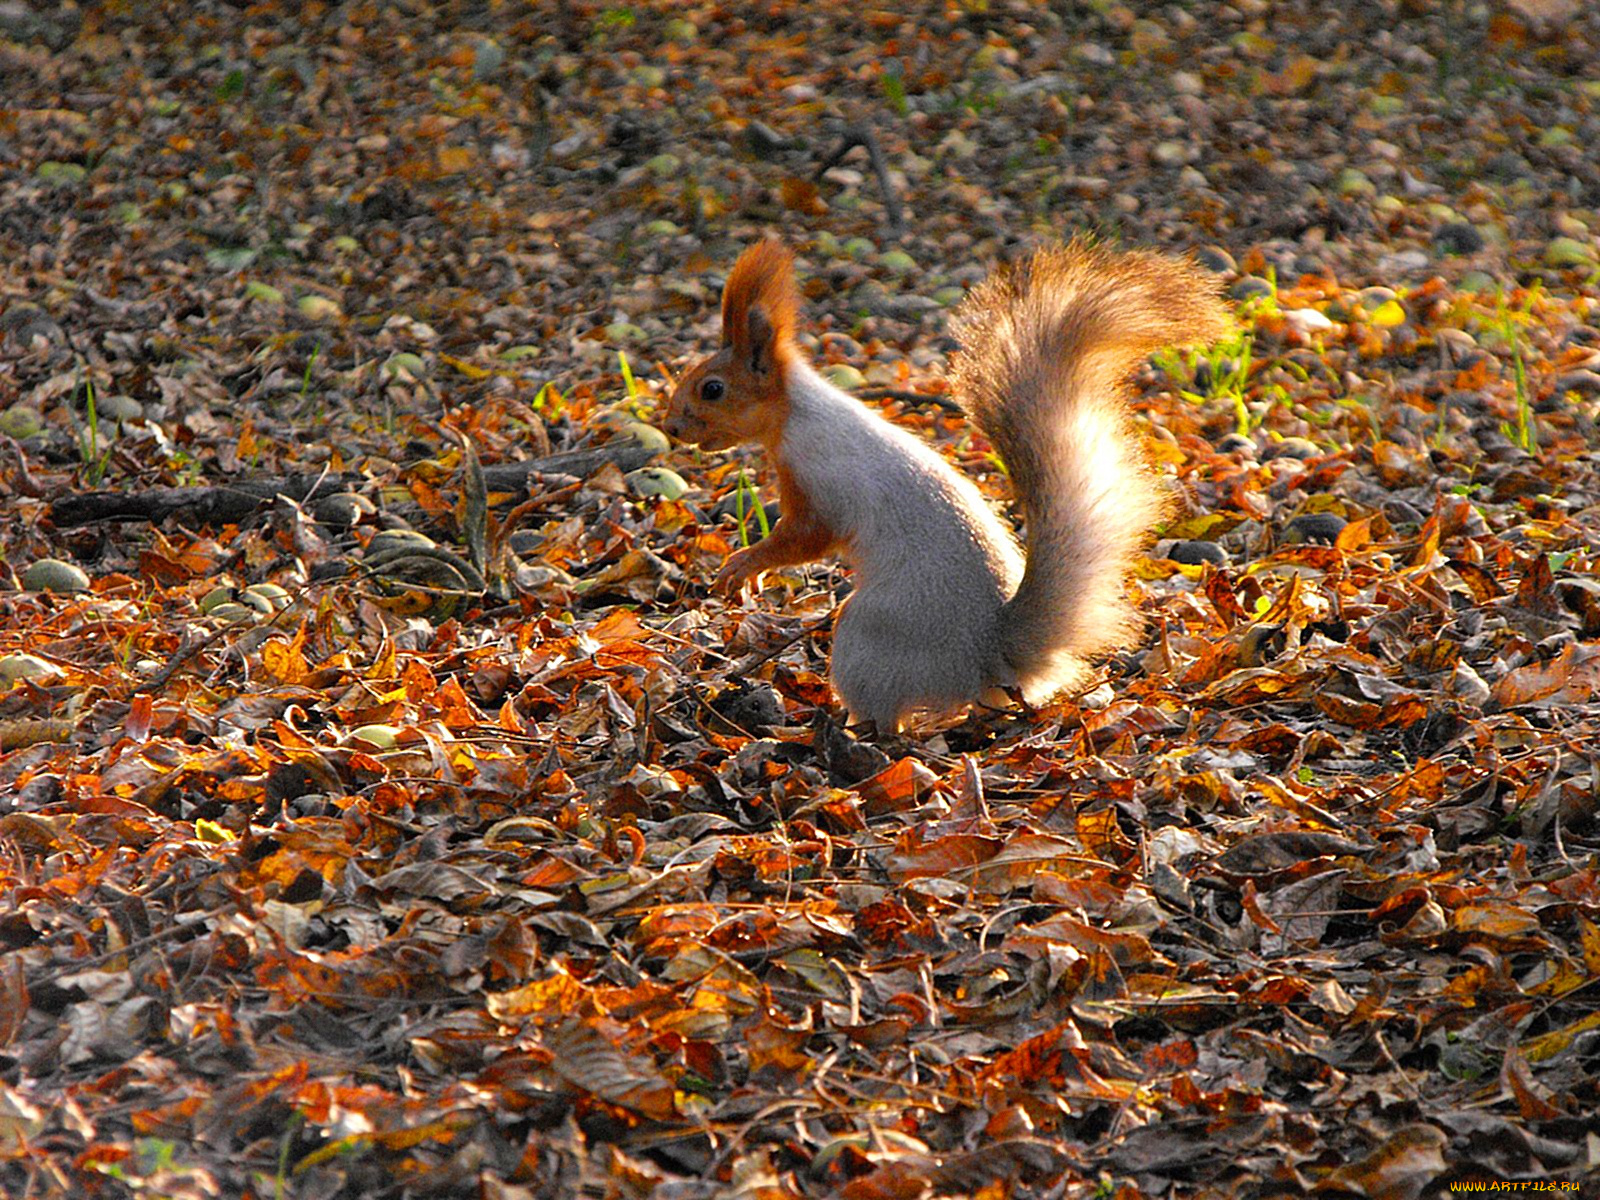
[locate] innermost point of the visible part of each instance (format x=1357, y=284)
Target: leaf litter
x=377, y=823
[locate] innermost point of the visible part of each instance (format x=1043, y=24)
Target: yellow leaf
x=454, y=159
x=1196, y=527
x=1147, y=568
x=210, y=831
x=285, y=661
x=1589, y=939
x=1159, y=452
x=470, y=370
x=1547, y=1046
x=1388, y=314
x=248, y=447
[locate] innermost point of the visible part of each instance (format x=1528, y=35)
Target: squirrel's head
x=739, y=393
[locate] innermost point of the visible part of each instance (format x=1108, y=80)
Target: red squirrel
x=946, y=610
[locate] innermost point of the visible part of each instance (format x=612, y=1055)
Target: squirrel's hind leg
x=888, y=664
x=871, y=689
x=870, y=714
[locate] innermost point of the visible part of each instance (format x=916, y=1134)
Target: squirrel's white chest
x=898, y=505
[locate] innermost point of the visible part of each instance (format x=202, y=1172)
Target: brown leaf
x=1267, y=853
x=900, y=786
x=588, y=1055
x=801, y=195
x=913, y=858
x=1407, y=1162
x=1568, y=678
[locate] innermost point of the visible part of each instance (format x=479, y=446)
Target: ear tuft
x=760, y=304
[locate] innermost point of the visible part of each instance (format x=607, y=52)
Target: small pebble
x=487, y=59
x=1569, y=252
x=53, y=575
x=1236, y=443
x=1508, y=165
x=1587, y=382
x=1313, y=527
x=664, y=166
x=1170, y=153
x=1400, y=263
x=1455, y=344
x=1458, y=237
x=1193, y=553
x=1292, y=447
x=319, y=308
x=1307, y=320
x=1250, y=285
x=1351, y=182
x=897, y=262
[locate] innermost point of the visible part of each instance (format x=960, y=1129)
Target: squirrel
x=946, y=610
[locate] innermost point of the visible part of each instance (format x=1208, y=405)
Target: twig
x=861, y=135
x=188, y=650
x=909, y=397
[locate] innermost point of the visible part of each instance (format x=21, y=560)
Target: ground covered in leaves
x=400, y=817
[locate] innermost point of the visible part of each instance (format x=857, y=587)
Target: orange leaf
x=140, y=711
x=801, y=196
x=1102, y=836
x=1498, y=919
x=777, y=1051
x=285, y=661
x=1562, y=680
x=455, y=159
x=912, y=858
x=1531, y=1099
x=1400, y=1168
x=1251, y=900
x=896, y=788
x=1355, y=536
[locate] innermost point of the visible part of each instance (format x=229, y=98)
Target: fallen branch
x=220, y=505
x=231, y=503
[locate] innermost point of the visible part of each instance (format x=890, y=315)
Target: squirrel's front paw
x=736, y=572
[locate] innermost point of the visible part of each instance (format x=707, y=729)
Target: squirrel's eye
x=712, y=389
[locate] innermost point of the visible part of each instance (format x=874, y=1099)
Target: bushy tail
x=1047, y=348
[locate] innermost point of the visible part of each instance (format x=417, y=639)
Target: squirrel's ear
x=760, y=339
x=759, y=305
